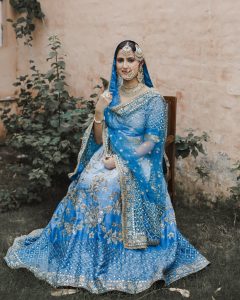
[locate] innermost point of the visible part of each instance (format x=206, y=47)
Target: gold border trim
x=83, y=147
x=123, y=105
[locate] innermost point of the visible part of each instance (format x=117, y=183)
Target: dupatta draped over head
x=134, y=133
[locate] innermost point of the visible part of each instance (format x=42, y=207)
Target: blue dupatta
x=143, y=187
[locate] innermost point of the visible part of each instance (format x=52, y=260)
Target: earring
x=119, y=81
x=140, y=74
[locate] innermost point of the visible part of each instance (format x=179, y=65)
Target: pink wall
x=191, y=48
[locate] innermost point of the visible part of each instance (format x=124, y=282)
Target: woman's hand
x=104, y=100
x=109, y=163
x=144, y=148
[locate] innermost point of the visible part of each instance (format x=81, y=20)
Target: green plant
x=48, y=127
x=24, y=25
x=235, y=190
x=190, y=145
x=237, y=169
x=203, y=172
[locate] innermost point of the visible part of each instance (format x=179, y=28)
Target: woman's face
x=127, y=65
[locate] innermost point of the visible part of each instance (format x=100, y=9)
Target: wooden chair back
x=170, y=147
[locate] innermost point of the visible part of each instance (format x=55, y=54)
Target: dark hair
x=122, y=44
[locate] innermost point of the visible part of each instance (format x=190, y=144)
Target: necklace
x=130, y=92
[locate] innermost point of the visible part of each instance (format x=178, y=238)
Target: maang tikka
x=138, y=52
x=126, y=50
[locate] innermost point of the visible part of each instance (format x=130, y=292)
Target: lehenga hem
x=100, y=286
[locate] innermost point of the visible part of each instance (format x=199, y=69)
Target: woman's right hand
x=104, y=100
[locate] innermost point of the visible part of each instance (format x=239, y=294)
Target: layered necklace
x=131, y=91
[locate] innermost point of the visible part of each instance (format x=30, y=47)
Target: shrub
x=47, y=129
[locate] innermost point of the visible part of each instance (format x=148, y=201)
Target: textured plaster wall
x=8, y=54
x=191, y=48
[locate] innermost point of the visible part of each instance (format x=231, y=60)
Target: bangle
x=98, y=122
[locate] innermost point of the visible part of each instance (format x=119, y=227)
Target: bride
x=115, y=229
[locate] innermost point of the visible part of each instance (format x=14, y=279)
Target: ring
x=107, y=94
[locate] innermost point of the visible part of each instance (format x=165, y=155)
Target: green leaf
x=105, y=82
x=50, y=75
x=51, y=55
x=64, y=144
x=93, y=95
x=54, y=123
x=57, y=156
x=200, y=148
x=61, y=64
x=58, y=85
x=55, y=141
x=16, y=83
x=184, y=153
x=97, y=86
x=182, y=146
x=194, y=152
x=21, y=20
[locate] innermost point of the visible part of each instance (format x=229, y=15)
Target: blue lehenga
x=108, y=233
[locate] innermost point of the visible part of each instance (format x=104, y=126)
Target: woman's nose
x=125, y=64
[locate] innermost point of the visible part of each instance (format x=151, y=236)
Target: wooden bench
x=170, y=147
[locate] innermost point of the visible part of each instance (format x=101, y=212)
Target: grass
x=215, y=232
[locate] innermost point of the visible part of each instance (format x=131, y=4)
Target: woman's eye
x=131, y=60
x=119, y=60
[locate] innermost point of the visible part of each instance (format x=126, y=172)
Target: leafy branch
x=24, y=26
x=190, y=145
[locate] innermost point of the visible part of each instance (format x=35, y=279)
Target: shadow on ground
x=215, y=232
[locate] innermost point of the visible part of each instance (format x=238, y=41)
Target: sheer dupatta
x=135, y=134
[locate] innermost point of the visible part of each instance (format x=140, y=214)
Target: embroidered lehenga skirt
x=82, y=244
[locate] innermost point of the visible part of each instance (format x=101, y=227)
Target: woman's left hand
x=109, y=163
